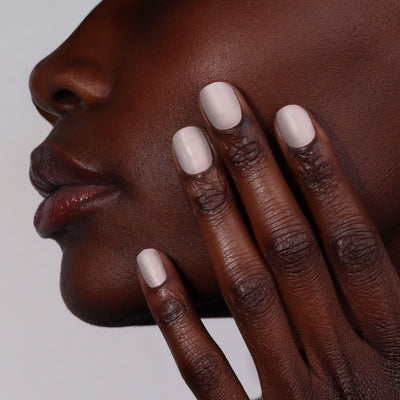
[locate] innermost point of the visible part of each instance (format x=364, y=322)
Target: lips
x=71, y=189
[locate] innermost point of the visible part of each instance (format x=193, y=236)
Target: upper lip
x=52, y=167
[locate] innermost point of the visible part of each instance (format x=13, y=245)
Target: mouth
x=68, y=204
x=71, y=189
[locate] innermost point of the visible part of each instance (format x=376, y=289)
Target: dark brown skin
x=128, y=78
x=283, y=271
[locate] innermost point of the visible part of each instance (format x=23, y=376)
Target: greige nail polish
x=151, y=267
x=221, y=105
x=295, y=126
x=192, y=150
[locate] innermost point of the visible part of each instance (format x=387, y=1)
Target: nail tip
x=214, y=84
x=289, y=108
x=145, y=253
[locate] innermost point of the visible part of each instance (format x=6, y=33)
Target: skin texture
x=116, y=96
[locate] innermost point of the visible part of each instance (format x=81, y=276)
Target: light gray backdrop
x=45, y=352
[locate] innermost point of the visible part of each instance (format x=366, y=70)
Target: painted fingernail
x=221, y=105
x=192, y=150
x=295, y=126
x=151, y=267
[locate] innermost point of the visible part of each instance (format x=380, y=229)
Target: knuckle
x=355, y=247
x=171, y=310
x=293, y=250
x=209, y=197
x=315, y=171
x=252, y=296
x=245, y=153
x=202, y=370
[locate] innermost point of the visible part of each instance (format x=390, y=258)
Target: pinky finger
x=201, y=362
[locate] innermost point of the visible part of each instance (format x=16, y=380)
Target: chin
x=99, y=285
x=99, y=289
x=119, y=307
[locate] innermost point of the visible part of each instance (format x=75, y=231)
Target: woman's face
x=128, y=78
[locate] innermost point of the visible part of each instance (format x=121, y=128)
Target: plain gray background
x=46, y=352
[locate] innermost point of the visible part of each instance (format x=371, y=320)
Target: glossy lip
x=71, y=189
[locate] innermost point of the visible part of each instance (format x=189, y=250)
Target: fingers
x=245, y=281
x=352, y=243
x=276, y=269
x=284, y=236
x=201, y=362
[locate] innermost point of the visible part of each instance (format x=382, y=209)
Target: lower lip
x=67, y=205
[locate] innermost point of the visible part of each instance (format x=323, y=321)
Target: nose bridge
x=81, y=70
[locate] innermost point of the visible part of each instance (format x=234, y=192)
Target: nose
x=63, y=81
x=80, y=72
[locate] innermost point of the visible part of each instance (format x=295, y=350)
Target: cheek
x=98, y=279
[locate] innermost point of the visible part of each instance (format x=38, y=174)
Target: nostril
x=61, y=82
x=66, y=98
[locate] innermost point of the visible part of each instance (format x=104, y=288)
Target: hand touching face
x=276, y=265
x=116, y=96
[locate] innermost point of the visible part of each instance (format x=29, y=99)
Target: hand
x=277, y=273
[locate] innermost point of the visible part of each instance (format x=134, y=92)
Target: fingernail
x=221, y=105
x=151, y=267
x=192, y=150
x=295, y=126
